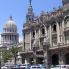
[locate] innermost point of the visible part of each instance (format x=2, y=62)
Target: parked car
x=42, y=66
x=4, y=67
x=25, y=66
x=60, y=67
x=35, y=67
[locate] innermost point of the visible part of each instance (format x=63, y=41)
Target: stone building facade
x=46, y=38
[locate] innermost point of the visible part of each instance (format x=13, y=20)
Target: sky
x=18, y=10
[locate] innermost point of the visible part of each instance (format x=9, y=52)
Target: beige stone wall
x=27, y=41
x=27, y=37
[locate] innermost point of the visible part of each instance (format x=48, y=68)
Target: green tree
x=14, y=51
x=6, y=55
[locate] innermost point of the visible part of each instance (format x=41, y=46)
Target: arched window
x=54, y=27
x=33, y=34
x=55, y=59
x=66, y=58
x=67, y=22
x=43, y=31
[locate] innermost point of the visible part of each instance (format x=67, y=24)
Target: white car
x=60, y=67
x=25, y=66
x=35, y=67
x=4, y=67
x=42, y=66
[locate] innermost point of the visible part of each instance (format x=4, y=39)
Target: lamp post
x=34, y=53
x=45, y=49
x=59, y=55
x=35, y=47
x=59, y=44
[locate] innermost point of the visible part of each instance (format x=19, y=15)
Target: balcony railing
x=54, y=33
x=61, y=45
x=42, y=36
x=33, y=38
x=66, y=29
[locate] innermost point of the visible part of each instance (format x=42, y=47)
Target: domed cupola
x=10, y=26
x=10, y=34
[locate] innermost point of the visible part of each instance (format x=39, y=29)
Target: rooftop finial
x=30, y=2
x=10, y=17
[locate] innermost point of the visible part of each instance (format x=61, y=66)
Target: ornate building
x=9, y=36
x=46, y=38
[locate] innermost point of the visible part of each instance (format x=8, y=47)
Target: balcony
x=33, y=38
x=61, y=46
x=42, y=36
x=66, y=29
x=54, y=33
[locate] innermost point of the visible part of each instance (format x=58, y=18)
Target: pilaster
x=30, y=40
x=46, y=56
x=39, y=36
x=58, y=33
x=45, y=31
x=50, y=35
x=61, y=56
x=35, y=34
x=63, y=32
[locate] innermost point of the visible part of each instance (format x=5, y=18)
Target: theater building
x=46, y=37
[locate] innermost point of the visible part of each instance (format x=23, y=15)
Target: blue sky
x=18, y=9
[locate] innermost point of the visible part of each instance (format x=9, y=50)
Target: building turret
x=30, y=14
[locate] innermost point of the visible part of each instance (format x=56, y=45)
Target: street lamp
x=34, y=53
x=35, y=47
x=45, y=49
x=59, y=55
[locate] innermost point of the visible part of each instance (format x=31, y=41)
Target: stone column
x=34, y=55
x=26, y=61
x=39, y=36
x=30, y=41
x=3, y=38
x=61, y=56
x=11, y=37
x=58, y=33
x=8, y=37
x=50, y=34
x=46, y=52
x=63, y=36
x=45, y=31
x=35, y=34
x=14, y=37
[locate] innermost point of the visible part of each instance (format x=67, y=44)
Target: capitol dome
x=10, y=26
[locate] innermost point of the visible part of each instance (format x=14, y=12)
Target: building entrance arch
x=67, y=58
x=55, y=59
